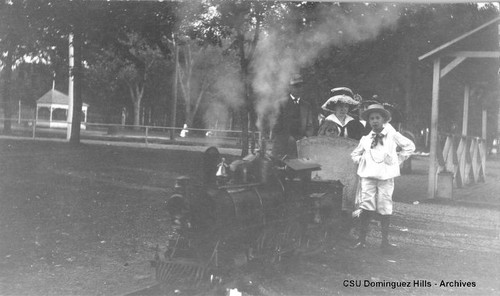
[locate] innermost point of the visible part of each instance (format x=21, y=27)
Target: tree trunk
x=244, y=131
x=231, y=120
x=136, y=92
x=245, y=107
x=174, y=103
x=185, y=77
x=245, y=59
x=7, y=111
x=137, y=114
x=252, y=121
x=77, y=97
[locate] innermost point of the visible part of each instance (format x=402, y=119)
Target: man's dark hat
x=374, y=100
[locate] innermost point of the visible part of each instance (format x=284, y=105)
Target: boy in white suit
x=378, y=165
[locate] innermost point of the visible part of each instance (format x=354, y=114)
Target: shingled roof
x=55, y=97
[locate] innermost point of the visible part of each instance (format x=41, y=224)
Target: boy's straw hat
x=376, y=108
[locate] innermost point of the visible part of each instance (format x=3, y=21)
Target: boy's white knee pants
x=376, y=195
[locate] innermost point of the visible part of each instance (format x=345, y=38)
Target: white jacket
x=382, y=162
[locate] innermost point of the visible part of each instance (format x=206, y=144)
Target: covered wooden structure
x=462, y=155
x=52, y=110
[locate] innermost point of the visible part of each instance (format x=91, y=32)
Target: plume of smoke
x=277, y=59
x=216, y=117
x=228, y=89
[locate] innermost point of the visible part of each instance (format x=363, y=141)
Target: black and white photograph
x=249, y=148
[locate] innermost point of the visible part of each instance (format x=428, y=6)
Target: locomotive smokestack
x=262, y=144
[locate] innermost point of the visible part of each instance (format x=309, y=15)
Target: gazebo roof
x=55, y=97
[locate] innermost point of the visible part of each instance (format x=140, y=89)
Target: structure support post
x=484, y=134
x=465, y=116
x=431, y=189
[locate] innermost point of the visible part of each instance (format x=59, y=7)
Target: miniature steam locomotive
x=263, y=209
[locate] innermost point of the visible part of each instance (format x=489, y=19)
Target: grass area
x=82, y=220
x=85, y=220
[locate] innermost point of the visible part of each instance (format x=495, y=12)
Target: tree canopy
x=236, y=55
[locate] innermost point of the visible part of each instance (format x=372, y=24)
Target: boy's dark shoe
x=387, y=248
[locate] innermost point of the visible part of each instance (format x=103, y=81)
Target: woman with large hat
x=339, y=104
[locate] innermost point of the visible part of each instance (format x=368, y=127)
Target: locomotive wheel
x=278, y=241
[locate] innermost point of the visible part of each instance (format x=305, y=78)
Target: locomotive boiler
x=260, y=209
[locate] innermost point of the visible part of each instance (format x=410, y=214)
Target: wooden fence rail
x=463, y=156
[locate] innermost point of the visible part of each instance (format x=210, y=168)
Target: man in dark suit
x=294, y=122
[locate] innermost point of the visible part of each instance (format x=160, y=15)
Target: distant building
x=52, y=110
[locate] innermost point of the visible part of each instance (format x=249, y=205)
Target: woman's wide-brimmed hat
x=340, y=95
x=376, y=108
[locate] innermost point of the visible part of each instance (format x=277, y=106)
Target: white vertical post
x=498, y=85
x=484, y=143
x=431, y=189
x=426, y=137
x=484, y=124
x=19, y=113
x=34, y=129
x=71, y=81
x=465, y=116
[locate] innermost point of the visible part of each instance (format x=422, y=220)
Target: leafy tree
x=241, y=22
x=17, y=41
x=118, y=27
x=387, y=64
x=57, y=20
x=136, y=68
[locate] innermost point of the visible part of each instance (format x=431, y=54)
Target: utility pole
x=71, y=80
x=174, y=104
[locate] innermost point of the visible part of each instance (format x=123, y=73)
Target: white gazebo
x=52, y=110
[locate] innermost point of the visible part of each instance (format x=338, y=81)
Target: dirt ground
x=85, y=221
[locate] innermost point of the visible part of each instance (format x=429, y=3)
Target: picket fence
x=464, y=157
